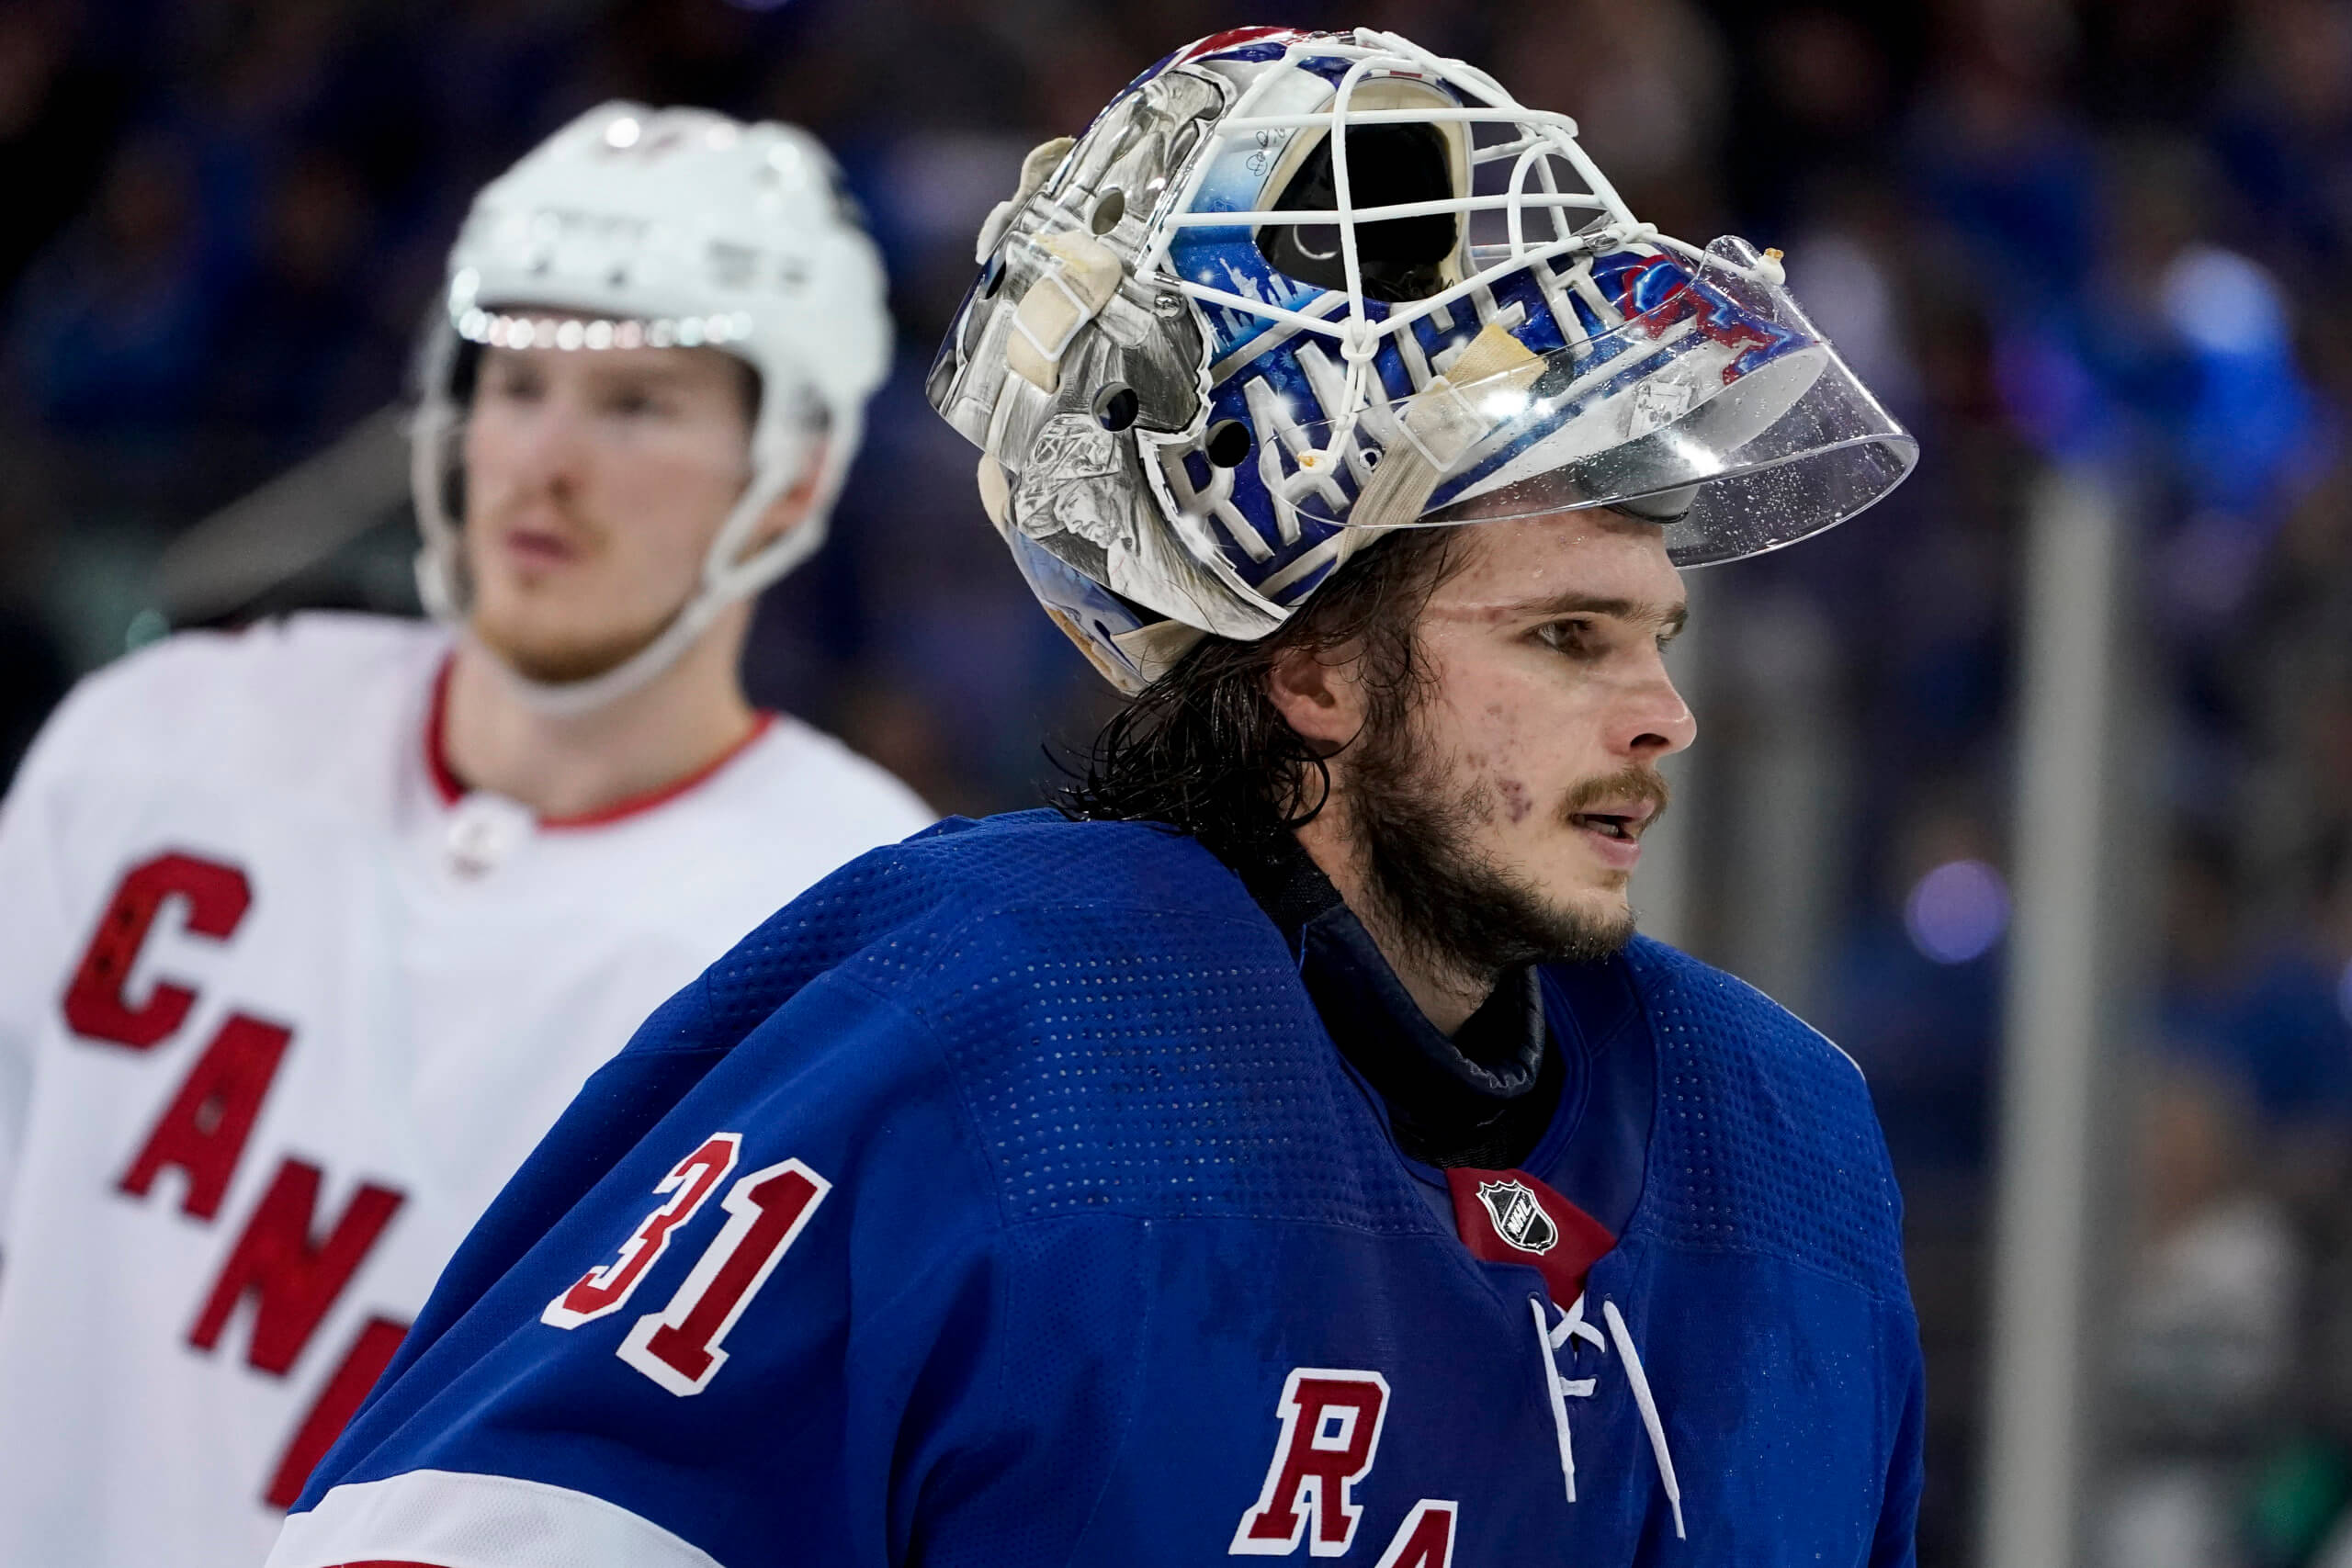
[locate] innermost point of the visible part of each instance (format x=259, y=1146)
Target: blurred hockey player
x=1288, y=1149
x=310, y=933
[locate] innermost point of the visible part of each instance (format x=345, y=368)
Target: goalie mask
x=674, y=227
x=1293, y=290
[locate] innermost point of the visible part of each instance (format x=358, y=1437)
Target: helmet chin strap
x=725, y=580
x=571, y=699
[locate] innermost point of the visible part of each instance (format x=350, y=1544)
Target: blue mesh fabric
x=1765, y=1140
x=1156, y=1062
x=1128, y=1031
x=881, y=915
x=1130, y=1037
x=873, y=908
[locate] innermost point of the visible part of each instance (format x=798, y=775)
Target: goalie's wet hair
x=1204, y=749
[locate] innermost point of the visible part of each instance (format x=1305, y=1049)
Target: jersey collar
x=453, y=789
x=1483, y=1096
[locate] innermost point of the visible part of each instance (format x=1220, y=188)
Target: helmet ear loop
x=785, y=455
x=447, y=367
x=774, y=474
x=433, y=483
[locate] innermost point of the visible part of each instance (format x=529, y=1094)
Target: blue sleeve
x=1895, y=1544
x=500, y=1426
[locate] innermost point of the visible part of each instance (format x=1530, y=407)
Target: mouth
x=539, y=548
x=1608, y=816
x=1625, y=822
x=1612, y=832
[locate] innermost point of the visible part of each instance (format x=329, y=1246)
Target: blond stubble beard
x=555, y=656
x=557, y=665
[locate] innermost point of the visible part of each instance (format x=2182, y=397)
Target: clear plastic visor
x=1717, y=411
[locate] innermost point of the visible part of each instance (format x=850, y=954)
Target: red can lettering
x=216, y=897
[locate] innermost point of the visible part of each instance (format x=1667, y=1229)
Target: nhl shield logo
x=1518, y=1218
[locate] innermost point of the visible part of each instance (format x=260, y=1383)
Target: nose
x=553, y=440
x=526, y=447
x=1656, y=721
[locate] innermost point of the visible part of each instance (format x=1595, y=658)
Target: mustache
x=1636, y=786
x=515, y=502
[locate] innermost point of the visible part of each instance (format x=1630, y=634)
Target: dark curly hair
x=1204, y=749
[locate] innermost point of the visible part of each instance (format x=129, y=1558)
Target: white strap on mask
x=1084, y=274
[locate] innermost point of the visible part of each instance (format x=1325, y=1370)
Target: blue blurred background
x=2108, y=234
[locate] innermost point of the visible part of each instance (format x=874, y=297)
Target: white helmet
x=663, y=228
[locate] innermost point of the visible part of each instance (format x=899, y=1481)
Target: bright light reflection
x=476, y=325
x=1958, y=911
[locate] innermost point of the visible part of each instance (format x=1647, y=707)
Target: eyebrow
x=1668, y=618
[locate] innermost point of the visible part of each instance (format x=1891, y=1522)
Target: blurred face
x=1499, y=817
x=595, y=481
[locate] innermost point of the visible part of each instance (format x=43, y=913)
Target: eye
x=636, y=403
x=1577, y=638
x=512, y=381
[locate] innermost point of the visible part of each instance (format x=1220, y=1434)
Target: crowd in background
x=2114, y=234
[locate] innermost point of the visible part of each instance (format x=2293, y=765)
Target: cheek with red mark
x=1515, y=800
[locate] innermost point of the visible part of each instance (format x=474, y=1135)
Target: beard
x=1438, y=895
x=555, y=656
x=541, y=642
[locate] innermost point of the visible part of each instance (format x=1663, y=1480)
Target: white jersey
x=279, y=1013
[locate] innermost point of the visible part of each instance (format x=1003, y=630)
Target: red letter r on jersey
x=1330, y=1436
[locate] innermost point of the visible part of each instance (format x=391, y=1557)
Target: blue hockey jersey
x=1003, y=1201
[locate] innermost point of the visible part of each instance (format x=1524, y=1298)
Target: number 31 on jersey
x=678, y=1346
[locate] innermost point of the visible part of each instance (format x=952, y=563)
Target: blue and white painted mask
x=1290, y=290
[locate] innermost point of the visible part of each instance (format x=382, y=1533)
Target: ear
x=1318, y=693
x=791, y=506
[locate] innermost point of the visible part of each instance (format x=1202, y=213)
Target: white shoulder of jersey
x=829, y=787
x=325, y=715
x=731, y=847
x=281, y=701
